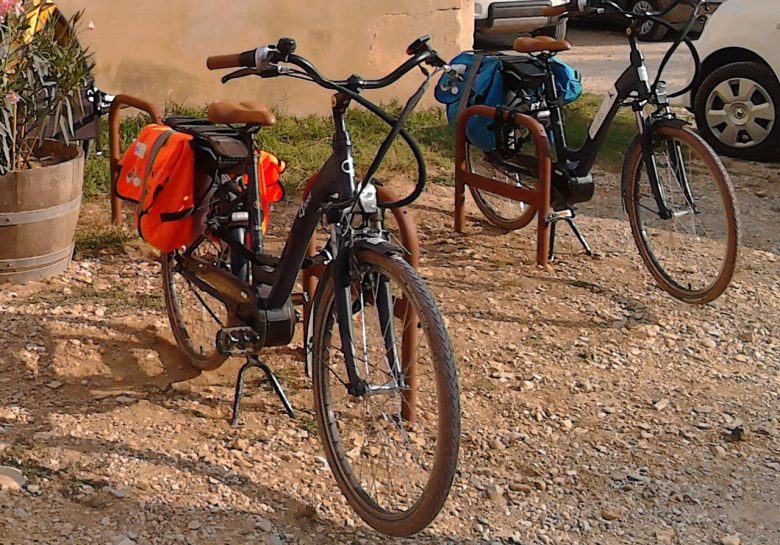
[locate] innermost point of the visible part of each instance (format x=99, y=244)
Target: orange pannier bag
x=158, y=173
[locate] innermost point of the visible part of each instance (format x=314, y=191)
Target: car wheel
x=558, y=31
x=650, y=31
x=736, y=110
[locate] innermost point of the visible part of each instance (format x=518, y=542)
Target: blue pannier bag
x=487, y=90
x=568, y=81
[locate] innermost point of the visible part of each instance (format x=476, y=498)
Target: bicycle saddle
x=249, y=113
x=540, y=43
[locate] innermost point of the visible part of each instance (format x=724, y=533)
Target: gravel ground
x=595, y=408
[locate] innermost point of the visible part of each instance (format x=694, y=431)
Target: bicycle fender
x=675, y=123
x=379, y=246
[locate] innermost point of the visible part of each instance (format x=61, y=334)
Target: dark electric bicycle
x=676, y=191
x=385, y=385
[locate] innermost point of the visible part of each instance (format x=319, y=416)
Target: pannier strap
x=158, y=145
x=176, y=216
x=469, y=84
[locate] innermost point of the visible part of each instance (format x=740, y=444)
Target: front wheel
x=393, y=451
x=693, y=253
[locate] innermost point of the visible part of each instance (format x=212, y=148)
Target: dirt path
x=595, y=407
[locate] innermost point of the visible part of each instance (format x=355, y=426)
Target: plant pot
x=39, y=210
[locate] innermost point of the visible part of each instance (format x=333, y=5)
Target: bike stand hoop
x=538, y=197
x=114, y=140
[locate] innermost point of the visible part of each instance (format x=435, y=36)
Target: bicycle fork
x=676, y=162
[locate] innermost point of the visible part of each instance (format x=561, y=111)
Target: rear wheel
x=194, y=315
x=693, y=254
x=504, y=213
x=394, y=451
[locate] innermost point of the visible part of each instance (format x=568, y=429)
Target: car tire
x=651, y=32
x=557, y=32
x=724, y=106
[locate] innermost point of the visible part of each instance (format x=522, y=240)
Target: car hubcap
x=644, y=7
x=740, y=113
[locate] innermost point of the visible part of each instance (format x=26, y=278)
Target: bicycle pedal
x=238, y=341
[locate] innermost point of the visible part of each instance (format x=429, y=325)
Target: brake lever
x=244, y=72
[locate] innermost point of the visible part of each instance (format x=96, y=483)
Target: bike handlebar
x=264, y=62
x=266, y=58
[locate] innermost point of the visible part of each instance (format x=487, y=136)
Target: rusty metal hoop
x=538, y=197
x=114, y=140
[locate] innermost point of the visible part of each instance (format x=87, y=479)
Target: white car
x=736, y=99
x=517, y=16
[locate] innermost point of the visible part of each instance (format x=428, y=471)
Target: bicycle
x=676, y=191
x=386, y=393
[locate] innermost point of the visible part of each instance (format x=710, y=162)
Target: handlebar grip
x=236, y=60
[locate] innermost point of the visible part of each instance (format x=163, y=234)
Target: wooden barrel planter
x=39, y=210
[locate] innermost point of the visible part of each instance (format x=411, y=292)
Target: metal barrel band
x=35, y=261
x=40, y=215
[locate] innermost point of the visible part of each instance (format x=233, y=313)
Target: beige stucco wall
x=156, y=49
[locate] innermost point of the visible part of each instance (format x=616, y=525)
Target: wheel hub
x=739, y=114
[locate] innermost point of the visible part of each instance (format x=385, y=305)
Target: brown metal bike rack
x=114, y=139
x=538, y=197
x=409, y=343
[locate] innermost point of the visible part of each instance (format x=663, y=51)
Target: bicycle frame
x=332, y=196
x=633, y=83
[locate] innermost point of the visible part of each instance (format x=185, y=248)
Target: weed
x=101, y=236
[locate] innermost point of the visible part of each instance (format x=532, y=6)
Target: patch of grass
x=308, y=423
x=485, y=384
x=102, y=236
x=304, y=142
x=116, y=298
x=623, y=130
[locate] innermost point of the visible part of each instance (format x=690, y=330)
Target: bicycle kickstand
x=254, y=362
x=568, y=216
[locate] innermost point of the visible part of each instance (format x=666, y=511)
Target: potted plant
x=43, y=72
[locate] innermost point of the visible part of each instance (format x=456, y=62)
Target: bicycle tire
x=482, y=199
x=436, y=490
x=632, y=171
